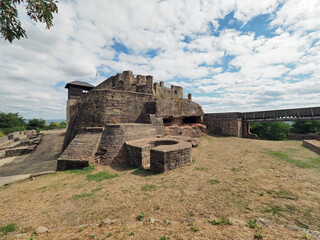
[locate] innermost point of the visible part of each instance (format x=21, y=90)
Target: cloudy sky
x=242, y=55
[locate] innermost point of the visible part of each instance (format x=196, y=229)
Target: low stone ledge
x=314, y=145
x=20, y=151
x=162, y=154
x=63, y=164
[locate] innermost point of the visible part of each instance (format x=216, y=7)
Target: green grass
x=83, y=195
x=4, y=230
x=274, y=210
x=312, y=163
x=213, y=181
x=200, y=168
x=283, y=194
x=100, y=176
x=148, y=187
x=221, y=222
x=84, y=170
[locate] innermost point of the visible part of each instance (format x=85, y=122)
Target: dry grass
x=230, y=178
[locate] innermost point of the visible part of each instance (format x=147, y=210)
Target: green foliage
x=220, y=222
x=100, y=176
x=54, y=125
x=304, y=127
x=193, y=228
x=11, y=122
x=36, y=124
x=131, y=234
x=313, y=163
x=270, y=130
x=37, y=10
x=148, y=187
x=63, y=124
x=2, y=134
x=8, y=228
x=257, y=236
x=141, y=216
x=163, y=238
x=252, y=223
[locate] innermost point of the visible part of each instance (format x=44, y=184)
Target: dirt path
x=42, y=160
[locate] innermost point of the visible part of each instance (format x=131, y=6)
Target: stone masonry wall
x=112, y=146
x=101, y=107
x=177, y=108
x=162, y=161
x=224, y=127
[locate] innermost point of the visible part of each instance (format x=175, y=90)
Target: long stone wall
x=228, y=127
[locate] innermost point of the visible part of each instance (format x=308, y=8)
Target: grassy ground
x=230, y=180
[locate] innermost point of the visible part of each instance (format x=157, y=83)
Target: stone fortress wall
x=126, y=108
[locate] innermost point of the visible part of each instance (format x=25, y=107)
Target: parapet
x=143, y=84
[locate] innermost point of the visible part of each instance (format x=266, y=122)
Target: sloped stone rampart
x=81, y=150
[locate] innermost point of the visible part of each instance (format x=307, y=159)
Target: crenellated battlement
x=143, y=84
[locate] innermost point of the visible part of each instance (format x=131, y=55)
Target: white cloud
x=33, y=71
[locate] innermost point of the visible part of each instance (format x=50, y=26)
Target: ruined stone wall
x=224, y=127
x=177, y=108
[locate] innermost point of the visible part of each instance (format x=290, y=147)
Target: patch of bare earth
x=231, y=178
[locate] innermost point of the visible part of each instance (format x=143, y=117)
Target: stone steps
x=81, y=150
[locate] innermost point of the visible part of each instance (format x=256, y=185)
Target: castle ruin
x=129, y=120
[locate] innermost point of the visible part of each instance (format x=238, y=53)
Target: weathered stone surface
x=107, y=221
x=41, y=229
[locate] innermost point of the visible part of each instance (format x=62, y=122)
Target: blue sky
x=231, y=55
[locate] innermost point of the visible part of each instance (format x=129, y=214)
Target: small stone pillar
x=149, y=84
x=190, y=96
x=162, y=84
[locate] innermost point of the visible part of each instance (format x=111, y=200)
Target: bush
x=270, y=130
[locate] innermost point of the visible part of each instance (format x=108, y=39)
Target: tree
x=36, y=124
x=11, y=122
x=270, y=130
x=37, y=10
x=304, y=127
x=63, y=124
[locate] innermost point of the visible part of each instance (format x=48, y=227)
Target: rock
x=171, y=222
x=263, y=222
x=108, y=221
x=153, y=220
x=41, y=229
